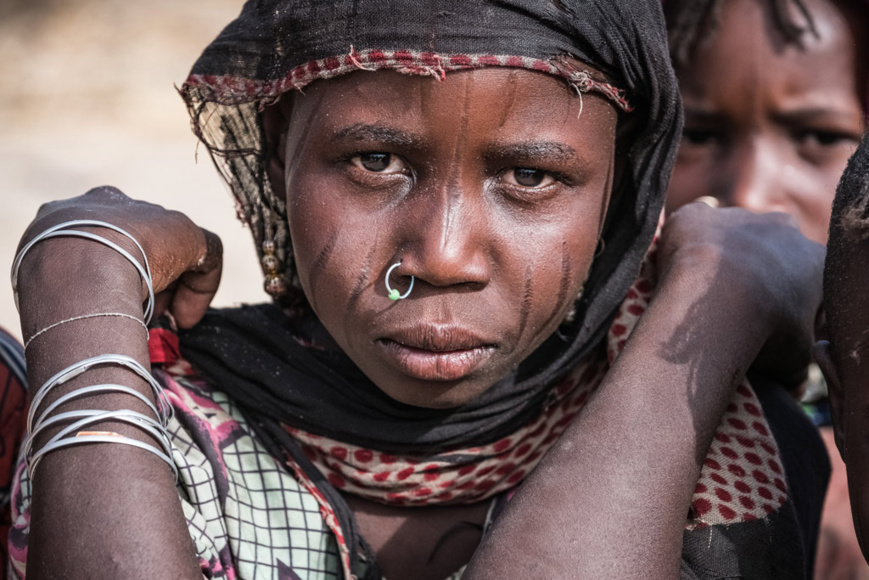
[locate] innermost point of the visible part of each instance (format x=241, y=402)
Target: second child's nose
x=754, y=181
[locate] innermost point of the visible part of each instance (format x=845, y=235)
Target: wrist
x=703, y=303
x=703, y=275
x=65, y=277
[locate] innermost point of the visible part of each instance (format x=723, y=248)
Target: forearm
x=99, y=510
x=611, y=499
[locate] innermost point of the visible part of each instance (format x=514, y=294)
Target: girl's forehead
x=503, y=103
x=400, y=92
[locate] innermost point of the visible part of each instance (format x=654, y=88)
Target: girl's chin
x=432, y=394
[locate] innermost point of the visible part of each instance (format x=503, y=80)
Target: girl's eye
x=528, y=177
x=379, y=162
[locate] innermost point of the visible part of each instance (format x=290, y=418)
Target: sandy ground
x=87, y=98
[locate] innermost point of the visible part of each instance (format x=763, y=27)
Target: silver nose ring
x=393, y=293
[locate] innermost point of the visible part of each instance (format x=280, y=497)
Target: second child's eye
x=379, y=162
x=528, y=177
x=699, y=136
x=824, y=138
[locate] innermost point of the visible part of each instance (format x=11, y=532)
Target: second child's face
x=488, y=187
x=769, y=126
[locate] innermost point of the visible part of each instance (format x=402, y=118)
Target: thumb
x=197, y=287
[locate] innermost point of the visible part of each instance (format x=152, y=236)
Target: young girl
x=452, y=202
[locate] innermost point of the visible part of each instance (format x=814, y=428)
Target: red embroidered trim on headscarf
x=228, y=90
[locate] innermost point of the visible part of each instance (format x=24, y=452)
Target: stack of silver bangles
x=75, y=431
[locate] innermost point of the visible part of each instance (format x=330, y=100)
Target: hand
x=761, y=259
x=185, y=260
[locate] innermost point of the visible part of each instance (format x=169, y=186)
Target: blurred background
x=87, y=98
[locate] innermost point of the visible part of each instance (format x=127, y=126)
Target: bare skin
x=470, y=175
x=424, y=543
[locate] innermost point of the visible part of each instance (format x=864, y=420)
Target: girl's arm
x=611, y=499
x=107, y=510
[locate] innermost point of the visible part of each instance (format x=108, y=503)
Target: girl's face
x=769, y=125
x=491, y=190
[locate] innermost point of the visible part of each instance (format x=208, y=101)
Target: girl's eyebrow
x=375, y=132
x=549, y=150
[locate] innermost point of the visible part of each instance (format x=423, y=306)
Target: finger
x=183, y=247
x=197, y=287
x=194, y=295
x=163, y=300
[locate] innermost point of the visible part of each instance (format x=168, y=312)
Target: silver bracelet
x=59, y=231
x=106, y=388
x=107, y=438
x=61, y=440
x=70, y=435
x=85, y=317
x=74, y=370
x=88, y=417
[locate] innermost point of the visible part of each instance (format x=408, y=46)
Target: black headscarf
x=275, y=46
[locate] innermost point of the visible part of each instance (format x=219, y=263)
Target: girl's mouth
x=436, y=353
x=432, y=365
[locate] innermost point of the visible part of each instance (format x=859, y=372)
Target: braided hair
x=687, y=20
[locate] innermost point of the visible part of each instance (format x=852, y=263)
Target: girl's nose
x=448, y=239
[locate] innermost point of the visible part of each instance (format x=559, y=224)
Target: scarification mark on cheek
x=563, y=287
x=364, y=277
x=527, y=299
x=318, y=266
x=361, y=282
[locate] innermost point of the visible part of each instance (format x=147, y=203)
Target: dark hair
x=687, y=20
x=849, y=227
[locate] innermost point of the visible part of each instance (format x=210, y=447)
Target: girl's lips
x=430, y=365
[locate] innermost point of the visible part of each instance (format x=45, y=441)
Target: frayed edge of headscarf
x=229, y=90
